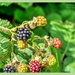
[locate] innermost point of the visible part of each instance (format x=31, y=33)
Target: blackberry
x=22, y=68
x=9, y=68
x=22, y=44
x=51, y=60
x=41, y=21
x=23, y=33
x=57, y=43
x=35, y=66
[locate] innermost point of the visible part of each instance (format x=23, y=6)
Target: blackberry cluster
x=23, y=33
x=9, y=68
x=35, y=66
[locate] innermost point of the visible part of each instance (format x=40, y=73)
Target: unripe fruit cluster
x=41, y=21
x=35, y=66
x=22, y=67
x=22, y=44
x=57, y=43
x=51, y=60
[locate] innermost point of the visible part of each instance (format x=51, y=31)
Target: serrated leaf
x=65, y=33
x=5, y=47
x=24, y=54
x=5, y=23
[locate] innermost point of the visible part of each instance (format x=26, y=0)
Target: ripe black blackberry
x=23, y=33
x=9, y=68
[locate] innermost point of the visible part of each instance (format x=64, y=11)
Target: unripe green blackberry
x=51, y=60
x=22, y=67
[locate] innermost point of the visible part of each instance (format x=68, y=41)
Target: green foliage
x=25, y=5
x=5, y=23
x=61, y=23
x=5, y=4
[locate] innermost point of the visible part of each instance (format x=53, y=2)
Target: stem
x=12, y=42
x=5, y=29
x=67, y=47
x=37, y=37
x=56, y=56
x=23, y=24
x=36, y=48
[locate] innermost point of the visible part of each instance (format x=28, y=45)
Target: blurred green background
x=18, y=12
x=61, y=23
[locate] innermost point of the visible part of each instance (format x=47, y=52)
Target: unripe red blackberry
x=22, y=67
x=9, y=68
x=51, y=60
x=57, y=43
x=41, y=21
x=35, y=66
x=23, y=33
x=22, y=44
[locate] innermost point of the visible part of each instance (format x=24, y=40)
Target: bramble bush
x=37, y=37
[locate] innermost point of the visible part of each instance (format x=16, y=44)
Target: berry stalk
x=5, y=29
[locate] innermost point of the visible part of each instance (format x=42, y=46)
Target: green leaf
x=66, y=14
x=68, y=60
x=65, y=33
x=5, y=23
x=72, y=17
x=42, y=30
x=51, y=8
x=36, y=12
x=5, y=3
x=54, y=16
x=55, y=68
x=19, y=15
x=70, y=68
x=1, y=64
x=24, y=54
x=5, y=47
x=59, y=29
x=25, y=5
